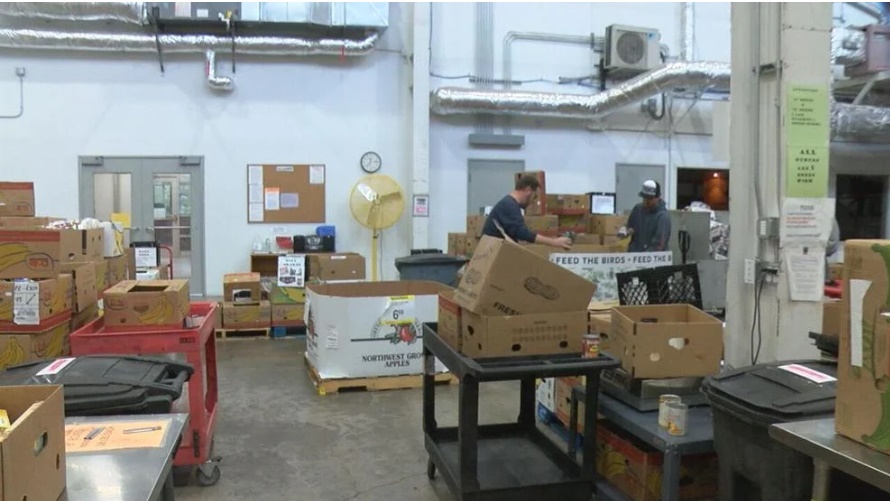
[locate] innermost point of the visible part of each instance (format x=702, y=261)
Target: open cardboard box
x=666, y=341
x=146, y=302
x=32, y=452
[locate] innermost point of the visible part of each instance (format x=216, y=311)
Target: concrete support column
x=420, y=120
x=773, y=45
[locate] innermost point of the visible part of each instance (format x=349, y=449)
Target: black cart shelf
x=513, y=461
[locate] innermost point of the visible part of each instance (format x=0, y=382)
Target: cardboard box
x=380, y=335
x=600, y=323
x=475, y=224
x=449, y=327
x=538, y=205
x=569, y=202
x=545, y=393
x=542, y=223
x=286, y=295
x=40, y=253
x=242, y=287
x=130, y=253
x=666, y=341
x=563, y=402
x=102, y=277
x=461, y=244
x=117, y=270
x=27, y=222
x=522, y=335
x=84, y=317
x=862, y=397
x=84, y=289
x=605, y=224
x=288, y=315
x=16, y=199
x=328, y=267
x=831, y=318
x=18, y=345
x=503, y=278
x=587, y=239
x=32, y=452
x=636, y=469
x=43, y=304
x=157, y=273
x=150, y=302
x=239, y=315
x=835, y=271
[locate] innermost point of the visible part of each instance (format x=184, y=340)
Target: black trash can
x=435, y=267
x=745, y=402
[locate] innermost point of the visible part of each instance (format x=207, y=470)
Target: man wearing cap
x=649, y=224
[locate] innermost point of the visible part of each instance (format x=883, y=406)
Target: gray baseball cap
x=651, y=189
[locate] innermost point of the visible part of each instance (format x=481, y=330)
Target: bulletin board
x=285, y=193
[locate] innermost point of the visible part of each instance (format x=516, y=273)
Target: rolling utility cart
x=198, y=344
x=513, y=461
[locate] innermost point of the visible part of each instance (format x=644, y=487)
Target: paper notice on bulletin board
x=255, y=213
x=273, y=201
x=255, y=174
x=806, y=272
x=255, y=193
x=316, y=174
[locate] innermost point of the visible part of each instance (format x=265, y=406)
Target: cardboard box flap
x=379, y=289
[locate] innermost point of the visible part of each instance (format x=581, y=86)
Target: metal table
x=699, y=438
x=512, y=461
x=124, y=474
x=818, y=440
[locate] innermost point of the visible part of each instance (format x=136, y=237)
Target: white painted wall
x=576, y=160
x=297, y=111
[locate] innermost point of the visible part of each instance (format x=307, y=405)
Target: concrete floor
x=281, y=441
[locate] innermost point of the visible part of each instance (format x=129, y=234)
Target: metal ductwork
x=672, y=76
x=847, y=46
x=848, y=122
x=214, y=81
x=123, y=12
x=137, y=42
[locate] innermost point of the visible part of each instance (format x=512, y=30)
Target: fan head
x=377, y=201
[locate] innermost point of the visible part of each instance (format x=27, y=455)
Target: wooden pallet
x=382, y=383
x=242, y=333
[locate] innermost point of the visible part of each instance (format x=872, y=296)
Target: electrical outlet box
x=768, y=228
x=750, y=271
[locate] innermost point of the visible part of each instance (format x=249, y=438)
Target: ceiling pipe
x=687, y=28
x=123, y=12
x=214, y=81
x=167, y=43
x=869, y=9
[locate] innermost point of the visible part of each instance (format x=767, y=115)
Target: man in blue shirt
x=506, y=215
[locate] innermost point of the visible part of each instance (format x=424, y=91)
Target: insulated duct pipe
x=848, y=122
x=687, y=28
x=123, y=12
x=225, y=84
x=147, y=43
x=869, y=9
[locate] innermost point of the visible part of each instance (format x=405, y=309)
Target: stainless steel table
x=124, y=474
x=818, y=440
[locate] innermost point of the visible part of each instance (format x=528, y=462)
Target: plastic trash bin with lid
x=745, y=402
x=435, y=267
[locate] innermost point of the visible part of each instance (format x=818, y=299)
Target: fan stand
x=375, y=242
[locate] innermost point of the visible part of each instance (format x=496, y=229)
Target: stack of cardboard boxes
x=243, y=307
x=512, y=302
x=50, y=279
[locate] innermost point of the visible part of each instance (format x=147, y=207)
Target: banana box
x=102, y=278
x=117, y=269
x=286, y=295
x=84, y=317
x=27, y=222
x=636, y=469
x=85, y=293
x=257, y=315
x=40, y=253
x=34, y=303
x=20, y=347
x=16, y=199
x=240, y=287
x=143, y=303
x=287, y=315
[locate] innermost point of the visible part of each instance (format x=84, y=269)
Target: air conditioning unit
x=630, y=50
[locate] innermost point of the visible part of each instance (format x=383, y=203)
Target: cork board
x=285, y=193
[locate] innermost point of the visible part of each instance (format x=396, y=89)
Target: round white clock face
x=370, y=162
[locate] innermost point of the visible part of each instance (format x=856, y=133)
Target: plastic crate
x=678, y=284
x=198, y=344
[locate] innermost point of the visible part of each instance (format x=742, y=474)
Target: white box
x=369, y=329
x=546, y=394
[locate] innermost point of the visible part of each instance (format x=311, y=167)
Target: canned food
x=677, y=414
x=663, y=402
x=590, y=345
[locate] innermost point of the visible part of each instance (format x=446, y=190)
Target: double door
x=160, y=199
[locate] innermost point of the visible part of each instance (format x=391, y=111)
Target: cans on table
x=590, y=345
x=663, y=402
x=677, y=414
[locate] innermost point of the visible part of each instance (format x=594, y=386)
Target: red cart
x=198, y=344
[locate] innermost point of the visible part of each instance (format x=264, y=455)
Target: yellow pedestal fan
x=377, y=202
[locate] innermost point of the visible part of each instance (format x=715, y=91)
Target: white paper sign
x=807, y=373
x=255, y=174
x=292, y=270
x=55, y=367
x=805, y=267
x=255, y=193
x=272, y=199
x=601, y=268
x=146, y=257
x=26, y=303
x=255, y=213
x=316, y=174
x=421, y=206
x=399, y=311
x=806, y=221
